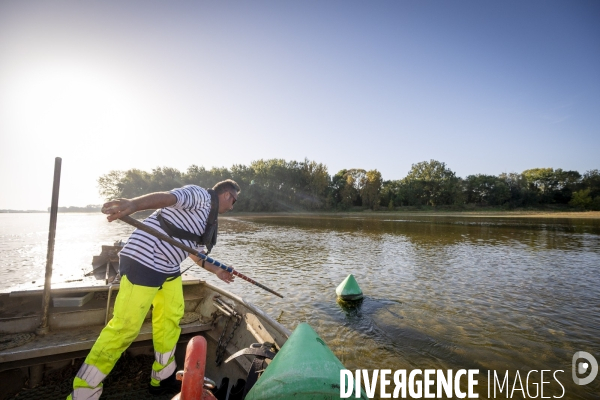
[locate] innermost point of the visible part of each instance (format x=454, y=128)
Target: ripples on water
x=440, y=292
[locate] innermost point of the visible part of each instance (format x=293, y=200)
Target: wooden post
x=43, y=329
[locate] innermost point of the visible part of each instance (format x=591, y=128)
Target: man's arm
x=219, y=272
x=122, y=207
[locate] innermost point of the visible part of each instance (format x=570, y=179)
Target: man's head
x=228, y=192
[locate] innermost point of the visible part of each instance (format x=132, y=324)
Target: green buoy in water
x=349, y=290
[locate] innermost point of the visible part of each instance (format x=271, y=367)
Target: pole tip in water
x=349, y=289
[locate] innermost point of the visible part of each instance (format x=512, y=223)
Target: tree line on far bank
x=280, y=185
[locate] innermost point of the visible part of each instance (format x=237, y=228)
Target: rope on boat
x=15, y=340
x=189, y=317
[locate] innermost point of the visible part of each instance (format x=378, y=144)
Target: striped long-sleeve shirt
x=190, y=213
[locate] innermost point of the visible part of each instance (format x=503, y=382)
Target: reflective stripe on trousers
x=163, y=358
x=91, y=374
x=164, y=373
x=85, y=394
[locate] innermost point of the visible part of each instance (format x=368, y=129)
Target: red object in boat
x=193, y=372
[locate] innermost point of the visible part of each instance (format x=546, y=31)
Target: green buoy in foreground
x=349, y=290
x=304, y=369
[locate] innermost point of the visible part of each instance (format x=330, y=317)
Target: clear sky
x=484, y=86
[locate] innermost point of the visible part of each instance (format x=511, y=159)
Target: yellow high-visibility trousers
x=131, y=307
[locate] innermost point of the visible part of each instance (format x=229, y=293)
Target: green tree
x=371, y=189
x=390, y=193
x=314, y=184
x=542, y=179
x=552, y=186
x=349, y=193
x=356, y=180
x=581, y=199
x=277, y=185
x=591, y=180
x=110, y=185
x=273, y=184
x=164, y=179
x=433, y=183
x=566, y=183
x=135, y=183
x=485, y=190
x=520, y=194
x=338, y=184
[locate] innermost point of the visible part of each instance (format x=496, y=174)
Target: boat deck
x=62, y=344
x=73, y=330
x=129, y=380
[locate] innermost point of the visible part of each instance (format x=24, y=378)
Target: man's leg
x=131, y=306
x=167, y=311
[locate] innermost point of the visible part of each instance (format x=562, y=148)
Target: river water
x=494, y=294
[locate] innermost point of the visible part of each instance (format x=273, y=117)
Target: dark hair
x=227, y=185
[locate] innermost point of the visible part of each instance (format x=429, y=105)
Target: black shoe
x=221, y=392
x=169, y=385
x=237, y=390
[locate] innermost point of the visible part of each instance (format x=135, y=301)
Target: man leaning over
x=150, y=275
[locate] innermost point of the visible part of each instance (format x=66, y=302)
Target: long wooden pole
x=43, y=329
x=141, y=226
